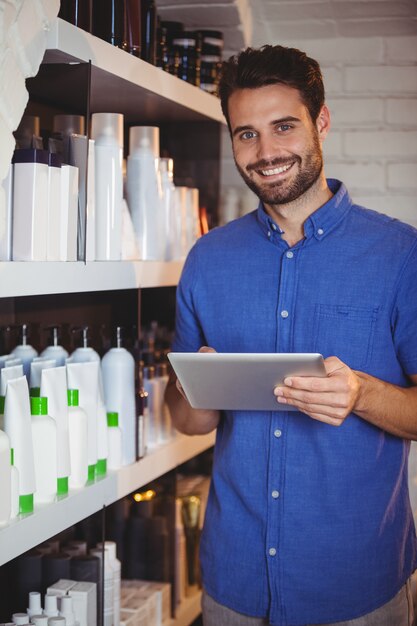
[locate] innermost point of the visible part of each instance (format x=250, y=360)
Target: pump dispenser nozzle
x=119, y=337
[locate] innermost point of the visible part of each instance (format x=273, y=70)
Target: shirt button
x=272, y=552
x=284, y=314
x=273, y=226
x=269, y=233
x=275, y=494
x=277, y=433
x=320, y=231
x=289, y=254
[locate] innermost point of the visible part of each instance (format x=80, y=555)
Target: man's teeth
x=276, y=170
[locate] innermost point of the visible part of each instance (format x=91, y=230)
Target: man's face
x=277, y=147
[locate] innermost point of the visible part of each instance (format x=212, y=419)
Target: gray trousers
x=397, y=612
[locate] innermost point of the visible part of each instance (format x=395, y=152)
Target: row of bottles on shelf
x=149, y=564
x=67, y=419
x=76, y=200
x=134, y=26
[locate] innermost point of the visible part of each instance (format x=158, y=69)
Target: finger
x=316, y=383
x=206, y=349
x=337, y=413
x=330, y=398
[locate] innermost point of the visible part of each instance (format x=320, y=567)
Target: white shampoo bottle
x=78, y=437
x=107, y=132
x=118, y=370
x=44, y=451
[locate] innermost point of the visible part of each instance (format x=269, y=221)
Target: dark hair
x=272, y=65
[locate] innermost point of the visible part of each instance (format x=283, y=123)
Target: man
x=306, y=523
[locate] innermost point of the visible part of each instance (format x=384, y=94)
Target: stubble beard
x=283, y=191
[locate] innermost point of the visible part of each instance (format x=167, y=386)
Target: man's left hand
x=329, y=399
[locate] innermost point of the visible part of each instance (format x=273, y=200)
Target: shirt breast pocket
x=346, y=332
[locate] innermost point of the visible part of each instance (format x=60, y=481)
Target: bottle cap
x=26, y=504
x=11, y=456
x=73, y=397
x=144, y=137
x=2, y=400
x=35, y=392
x=39, y=406
x=107, y=128
x=62, y=486
x=101, y=466
x=20, y=618
x=34, y=603
x=57, y=621
x=39, y=620
x=69, y=124
x=112, y=419
x=66, y=609
x=51, y=607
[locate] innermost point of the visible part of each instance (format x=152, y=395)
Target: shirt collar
x=320, y=223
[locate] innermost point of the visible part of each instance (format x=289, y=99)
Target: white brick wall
x=371, y=88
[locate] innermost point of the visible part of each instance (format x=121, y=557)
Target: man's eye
x=284, y=127
x=249, y=134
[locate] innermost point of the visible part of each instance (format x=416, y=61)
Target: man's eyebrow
x=282, y=120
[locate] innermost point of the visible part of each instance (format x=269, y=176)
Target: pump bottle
x=25, y=352
x=118, y=368
x=54, y=350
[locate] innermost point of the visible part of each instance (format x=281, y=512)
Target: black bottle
x=77, y=12
x=109, y=21
x=148, y=51
x=133, y=26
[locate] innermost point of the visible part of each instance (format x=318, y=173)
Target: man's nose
x=268, y=147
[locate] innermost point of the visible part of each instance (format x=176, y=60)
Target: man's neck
x=292, y=216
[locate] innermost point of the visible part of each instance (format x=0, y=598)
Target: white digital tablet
x=240, y=381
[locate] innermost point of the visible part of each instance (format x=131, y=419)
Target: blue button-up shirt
x=306, y=523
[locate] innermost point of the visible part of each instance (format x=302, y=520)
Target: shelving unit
x=34, y=279
x=146, y=95
x=50, y=519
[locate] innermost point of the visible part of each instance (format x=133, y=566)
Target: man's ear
x=323, y=122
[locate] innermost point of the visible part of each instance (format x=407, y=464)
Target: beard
x=283, y=191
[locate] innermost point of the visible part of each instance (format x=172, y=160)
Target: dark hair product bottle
x=148, y=51
x=189, y=59
x=133, y=27
x=77, y=12
x=109, y=21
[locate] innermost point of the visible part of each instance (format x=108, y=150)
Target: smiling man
x=306, y=524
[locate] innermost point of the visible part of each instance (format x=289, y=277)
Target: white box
x=84, y=597
x=69, y=212
x=61, y=587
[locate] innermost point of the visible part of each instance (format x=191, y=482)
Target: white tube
x=7, y=374
x=18, y=426
x=78, y=438
x=36, y=368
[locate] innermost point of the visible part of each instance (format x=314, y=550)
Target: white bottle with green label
x=44, y=451
x=5, y=479
x=114, y=433
x=78, y=436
